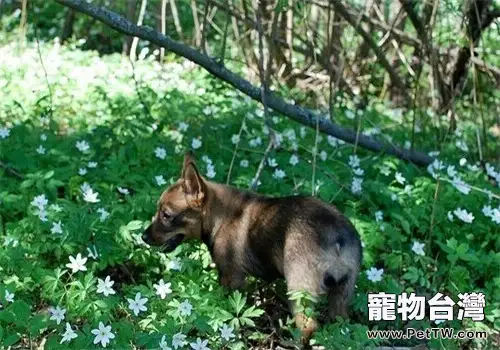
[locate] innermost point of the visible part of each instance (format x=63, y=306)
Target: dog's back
x=307, y=241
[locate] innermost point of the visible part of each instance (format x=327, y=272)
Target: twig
x=262, y=164
x=358, y=132
x=39, y=52
x=177, y=22
x=135, y=42
x=265, y=72
x=474, y=188
x=236, y=149
x=138, y=91
x=315, y=155
x=434, y=202
x=163, y=26
x=264, y=90
x=479, y=145
x=11, y=171
x=224, y=40
x=204, y=28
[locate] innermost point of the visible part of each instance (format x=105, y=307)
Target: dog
x=306, y=241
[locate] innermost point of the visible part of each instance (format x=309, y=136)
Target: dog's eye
x=166, y=216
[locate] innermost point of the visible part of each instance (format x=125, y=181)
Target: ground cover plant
x=87, y=161
x=89, y=141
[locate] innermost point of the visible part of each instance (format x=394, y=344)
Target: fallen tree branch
x=297, y=113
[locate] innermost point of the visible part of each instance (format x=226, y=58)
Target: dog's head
x=179, y=212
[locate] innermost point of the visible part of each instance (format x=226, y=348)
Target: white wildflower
x=105, y=286
x=137, y=304
x=196, y=143
x=160, y=152
x=83, y=146
x=279, y=174
x=102, y=334
x=77, y=264
x=400, y=178
x=294, y=160
x=68, y=335
x=418, y=248
x=57, y=314
x=162, y=289
x=235, y=139
x=374, y=274
x=56, y=228
x=185, y=308
x=226, y=332
x=463, y=215
x=160, y=181
x=354, y=161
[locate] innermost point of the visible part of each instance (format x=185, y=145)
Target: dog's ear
x=193, y=185
x=188, y=158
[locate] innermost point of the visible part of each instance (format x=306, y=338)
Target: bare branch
x=163, y=26
x=135, y=42
x=396, y=80
x=265, y=75
x=177, y=22
x=425, y=38
x=204, y=28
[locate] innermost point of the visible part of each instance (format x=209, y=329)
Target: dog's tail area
x=342, y=264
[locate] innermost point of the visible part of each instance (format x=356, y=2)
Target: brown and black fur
x=306, y=241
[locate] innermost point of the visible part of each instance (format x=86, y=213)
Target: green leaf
x=37, y=323
x=48, y=175
x=412, y=275
x=7, y=316
x=11, y=340
x=237, y=301
x=21, y=310
x=246, y=321
x=252, y=312
x=462, y=249
x=27, y=183
x=201, y=323
x=134, y=225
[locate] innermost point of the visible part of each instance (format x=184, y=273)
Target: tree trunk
x=69, y=21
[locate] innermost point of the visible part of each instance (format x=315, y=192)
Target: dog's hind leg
x=339, y=296
x=300, y=277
